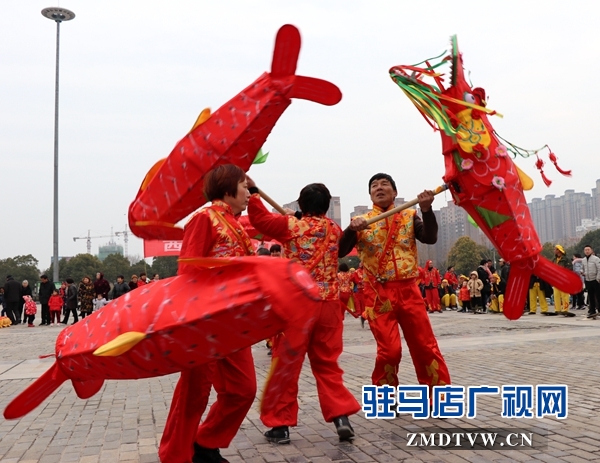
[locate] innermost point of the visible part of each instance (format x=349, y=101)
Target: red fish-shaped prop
x=482, y=177
x=234, y=134
x=176, y=324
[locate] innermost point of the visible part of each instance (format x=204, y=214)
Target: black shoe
x=343, y=428
x=278, y=435
x=592, y=315
x=204, y=455
x=569, y=314
x=270, y=352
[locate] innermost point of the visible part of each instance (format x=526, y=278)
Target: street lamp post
x=59, y=15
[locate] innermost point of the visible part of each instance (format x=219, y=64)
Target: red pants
x=55, y=316
x=321, y=338
x=234, y=379
x=432, y=297
x=400, y=302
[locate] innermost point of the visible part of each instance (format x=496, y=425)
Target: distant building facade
x=565, y=219
x=108, y=249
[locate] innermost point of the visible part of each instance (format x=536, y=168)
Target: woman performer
x=212, y=232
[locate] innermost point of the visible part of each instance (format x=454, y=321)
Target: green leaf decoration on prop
x=472, y=222
x=261, y=157
x=493, y=219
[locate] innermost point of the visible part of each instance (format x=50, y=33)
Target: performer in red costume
x=212, y=232
x=311, y=241
x=432, y=281
x=388, y=251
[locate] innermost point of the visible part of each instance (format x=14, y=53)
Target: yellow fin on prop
x=151, y=173
x=202, y=118
x=526, y=181
x=120, y=344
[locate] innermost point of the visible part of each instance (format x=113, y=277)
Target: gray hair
x=25, y=281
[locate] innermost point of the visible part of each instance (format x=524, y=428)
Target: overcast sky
x=135, y=75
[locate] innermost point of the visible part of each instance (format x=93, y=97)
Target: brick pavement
x=124, y=421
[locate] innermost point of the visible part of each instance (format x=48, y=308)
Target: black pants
x=13, y=311
x=45, y=314
x=30, y=319
x=67, y=313
x=578, y=300
x=593, y=288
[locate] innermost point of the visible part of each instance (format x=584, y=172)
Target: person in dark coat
x=101, y=286
x=12, y=296
x=44, y=293
x=120, y=287
x=71, y=301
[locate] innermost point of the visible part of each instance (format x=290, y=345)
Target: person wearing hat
x=475, y=286
x=561, y=299
x=497, y=287
x=447, y=296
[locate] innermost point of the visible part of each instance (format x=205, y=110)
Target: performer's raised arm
x=274, y=225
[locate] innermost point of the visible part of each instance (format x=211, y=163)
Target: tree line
x=465, y=255
x=27, y=267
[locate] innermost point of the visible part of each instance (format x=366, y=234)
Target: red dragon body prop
x=234, y=134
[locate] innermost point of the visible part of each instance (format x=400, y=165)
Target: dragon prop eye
x=469, y=98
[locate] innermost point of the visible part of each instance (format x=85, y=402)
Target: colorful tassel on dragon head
x=481, y=175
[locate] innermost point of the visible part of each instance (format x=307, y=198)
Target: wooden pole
x=407, y=205
x=271, y=201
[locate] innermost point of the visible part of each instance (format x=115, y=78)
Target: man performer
x=312, y=241
x=212, y=232
x=561, y=299
x=591, y=275
x=388, y=251
x=432, y=281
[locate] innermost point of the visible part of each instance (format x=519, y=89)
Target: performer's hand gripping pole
x=407, y=205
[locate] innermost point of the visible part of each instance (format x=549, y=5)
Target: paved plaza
x=124, y=421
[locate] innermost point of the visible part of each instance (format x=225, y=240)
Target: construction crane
x=125, y=239
x=89, y=239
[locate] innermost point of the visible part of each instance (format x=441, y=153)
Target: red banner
x=155, y=248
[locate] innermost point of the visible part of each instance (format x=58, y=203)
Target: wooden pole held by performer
x=271, y=201
x=407, y=205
